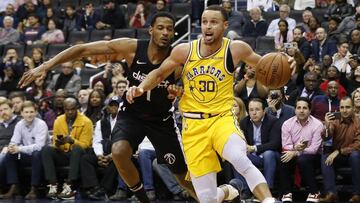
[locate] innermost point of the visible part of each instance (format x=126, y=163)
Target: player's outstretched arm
x=173, y=63
x=117, y=46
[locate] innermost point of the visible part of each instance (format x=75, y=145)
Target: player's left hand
x=133, y=92
x=287, y=156
x=174, y=91
x=292, y=64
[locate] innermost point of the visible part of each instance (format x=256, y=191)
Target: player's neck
x=157, y=54
x=209, y=49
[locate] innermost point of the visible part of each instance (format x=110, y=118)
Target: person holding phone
x=344, y=129
x=301, y=141
x=72, y=135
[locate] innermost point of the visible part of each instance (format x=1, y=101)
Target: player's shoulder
x=182, y=47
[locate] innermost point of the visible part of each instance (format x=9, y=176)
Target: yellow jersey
x=208, y=83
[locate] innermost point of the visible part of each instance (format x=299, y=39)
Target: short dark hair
x=257, y=100
x=346, y=98
x=304, y=99
x=218, y=8
x=162, y=14
x=19, y=94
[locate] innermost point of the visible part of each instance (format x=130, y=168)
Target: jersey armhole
x=230, y=68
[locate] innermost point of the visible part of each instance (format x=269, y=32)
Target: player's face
x=162, y=32
x=213, y=26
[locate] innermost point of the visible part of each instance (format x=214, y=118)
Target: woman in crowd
x=52, y=35
x=95, y=105
x=284, y=35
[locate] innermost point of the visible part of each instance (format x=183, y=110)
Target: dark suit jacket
x=297, y=92
x=270, y=133
x=287, y=112
x=328, y=48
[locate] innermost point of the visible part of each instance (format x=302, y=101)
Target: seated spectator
x=88, y=20
x=248, y=87
x=314, y=24
x=350, y=83
x=119, y=88
x=263, y=135
x=340, y=8
x=100, y=156
x=83, y=97
x=321, y=104
x=99, y=85
x=12, y=60
x=159, y=6
x=30, y=136
x=49, y=112
x=66, y=80
x=138, y=18
x=333, y=33
x=304, y=25
x=37, y=56
x=7, y=126
x=256, y=26
x=322, y=46
x=292, y=50
x=354, y=43
x=301, y=142
x=8, y=35
x=51, y=14
x=38, y=90
x=95, y=105
x=9, y=11
x=25, y=9
x=332, y=74
x=239, y=109
x=69, y=21
x=302, y=44
x=32, y=33
x=342, y=57
x=72, y=135
x=345, y=134
x=309, y=89
x=17, y=100
x=178, y=192
x=276, y=106
x=284, y=13
x=356, y=100
x=112, y=18
x=263, y=5
x=235, y=21
x=283, y=35
x=52, y=35
x=349, y=23
x=327, y=61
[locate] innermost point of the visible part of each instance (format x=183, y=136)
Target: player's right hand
x=32, y=74
x=133, y=92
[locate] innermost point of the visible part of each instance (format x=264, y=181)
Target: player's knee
x=121, y=150
x=241, y=163
x=206, y=196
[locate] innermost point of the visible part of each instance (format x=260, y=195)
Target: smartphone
x=288, y=45
x=337, y=115
x=305, y=142
x=60, y=137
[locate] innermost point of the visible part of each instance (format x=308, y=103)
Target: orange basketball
x=273, y=70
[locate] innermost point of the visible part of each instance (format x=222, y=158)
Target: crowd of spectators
x=309, y=127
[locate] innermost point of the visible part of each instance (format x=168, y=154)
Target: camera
x=60, y=137
x=274, y=95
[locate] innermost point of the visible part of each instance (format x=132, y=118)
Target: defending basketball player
x=206, y=68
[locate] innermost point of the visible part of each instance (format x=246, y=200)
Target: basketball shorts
x=203, y=139
x=162, y=133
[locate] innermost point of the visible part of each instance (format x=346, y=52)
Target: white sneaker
x=230, y=192
x=287, y=197
x=313, y=197
x=52, y=194
x=67, y=193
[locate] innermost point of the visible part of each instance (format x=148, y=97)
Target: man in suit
x=309, y=90
x=322, y=46
x=263, y=135
x=276, y=106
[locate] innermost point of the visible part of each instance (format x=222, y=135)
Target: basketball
x=273, y=70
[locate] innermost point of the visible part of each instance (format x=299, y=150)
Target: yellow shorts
x=202, y=138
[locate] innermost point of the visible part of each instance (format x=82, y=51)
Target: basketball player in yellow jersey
x=206, y=68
